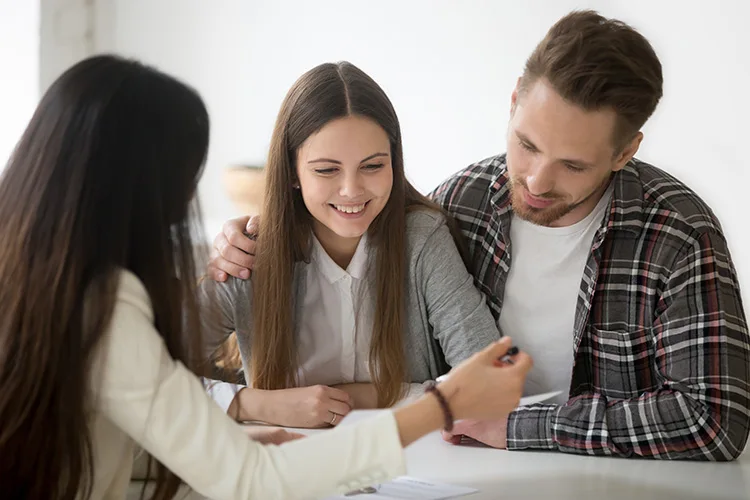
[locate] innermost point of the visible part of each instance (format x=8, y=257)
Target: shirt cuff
x=532, y=427
x=222, y=393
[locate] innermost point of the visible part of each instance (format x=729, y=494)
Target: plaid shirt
x=662, y=352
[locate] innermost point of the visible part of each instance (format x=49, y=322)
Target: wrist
x=418, y=419
x=445, y=408
x=366, y=398
x=450, y=392
x=251, y=405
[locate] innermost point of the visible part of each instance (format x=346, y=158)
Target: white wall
x=449, y=67
x=19, y=70
x=66, y=36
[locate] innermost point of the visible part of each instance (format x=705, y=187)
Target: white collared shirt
x=336, y=320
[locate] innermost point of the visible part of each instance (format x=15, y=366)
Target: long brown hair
x=323, y=94
x=101, y=180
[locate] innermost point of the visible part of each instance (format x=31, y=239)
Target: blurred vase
x=244, y=185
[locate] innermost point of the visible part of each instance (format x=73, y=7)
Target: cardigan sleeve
x=163, y=406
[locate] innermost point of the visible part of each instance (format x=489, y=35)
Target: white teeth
x=350, y=209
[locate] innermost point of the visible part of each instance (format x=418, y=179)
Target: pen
x=506, y=358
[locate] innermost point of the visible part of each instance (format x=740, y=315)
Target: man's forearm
x=664, y=424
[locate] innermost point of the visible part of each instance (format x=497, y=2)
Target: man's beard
x=544, y=216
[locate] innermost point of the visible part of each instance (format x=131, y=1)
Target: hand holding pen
x=507, y=358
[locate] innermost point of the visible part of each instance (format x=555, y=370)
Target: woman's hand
x=481, y=388
x=308, y=407
x=484, y=388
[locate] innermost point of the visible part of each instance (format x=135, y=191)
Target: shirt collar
x=357, y=267
x=626, y=210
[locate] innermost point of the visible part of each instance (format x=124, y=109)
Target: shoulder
x=234, y=297
x=231, y=289
x=132, y=295
x=473, y=184
x=664, y=192
x=428, y=229
x=132, y=352
x=659, y=207
x=422, y=222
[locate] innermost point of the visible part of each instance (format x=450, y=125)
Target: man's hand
x=233, y=253
x=491, y=433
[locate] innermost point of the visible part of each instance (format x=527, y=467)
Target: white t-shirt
x=541, y=292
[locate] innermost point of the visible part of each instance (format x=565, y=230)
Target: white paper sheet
x=407, y=488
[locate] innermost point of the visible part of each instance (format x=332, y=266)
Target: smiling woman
x=358, y=282
x=345, y=176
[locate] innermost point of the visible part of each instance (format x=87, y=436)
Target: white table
x=513, y=475
x=500, y=474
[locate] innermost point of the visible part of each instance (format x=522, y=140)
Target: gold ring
x=333, y=418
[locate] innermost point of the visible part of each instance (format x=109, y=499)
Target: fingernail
x=244, y=274
x=222, y=276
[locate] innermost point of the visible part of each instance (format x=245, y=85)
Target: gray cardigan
x=447, y=319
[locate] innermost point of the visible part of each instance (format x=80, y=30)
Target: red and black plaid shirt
x=662, y=352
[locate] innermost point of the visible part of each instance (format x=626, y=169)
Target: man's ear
x=628, y=152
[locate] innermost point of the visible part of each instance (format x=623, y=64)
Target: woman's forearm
x=364, y=395
x=249, y=405
x=418, y=419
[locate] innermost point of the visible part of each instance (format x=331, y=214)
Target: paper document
x=407, y=488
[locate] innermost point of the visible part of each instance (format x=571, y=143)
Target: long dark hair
x=101, y=180
x=323, y=94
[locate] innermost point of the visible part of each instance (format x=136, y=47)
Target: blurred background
x=449, y=67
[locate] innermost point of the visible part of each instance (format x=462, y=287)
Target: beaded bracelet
x=447, y=413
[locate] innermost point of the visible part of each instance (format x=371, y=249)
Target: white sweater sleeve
x=164, y=407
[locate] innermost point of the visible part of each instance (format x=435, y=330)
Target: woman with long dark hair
x=98, y=294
